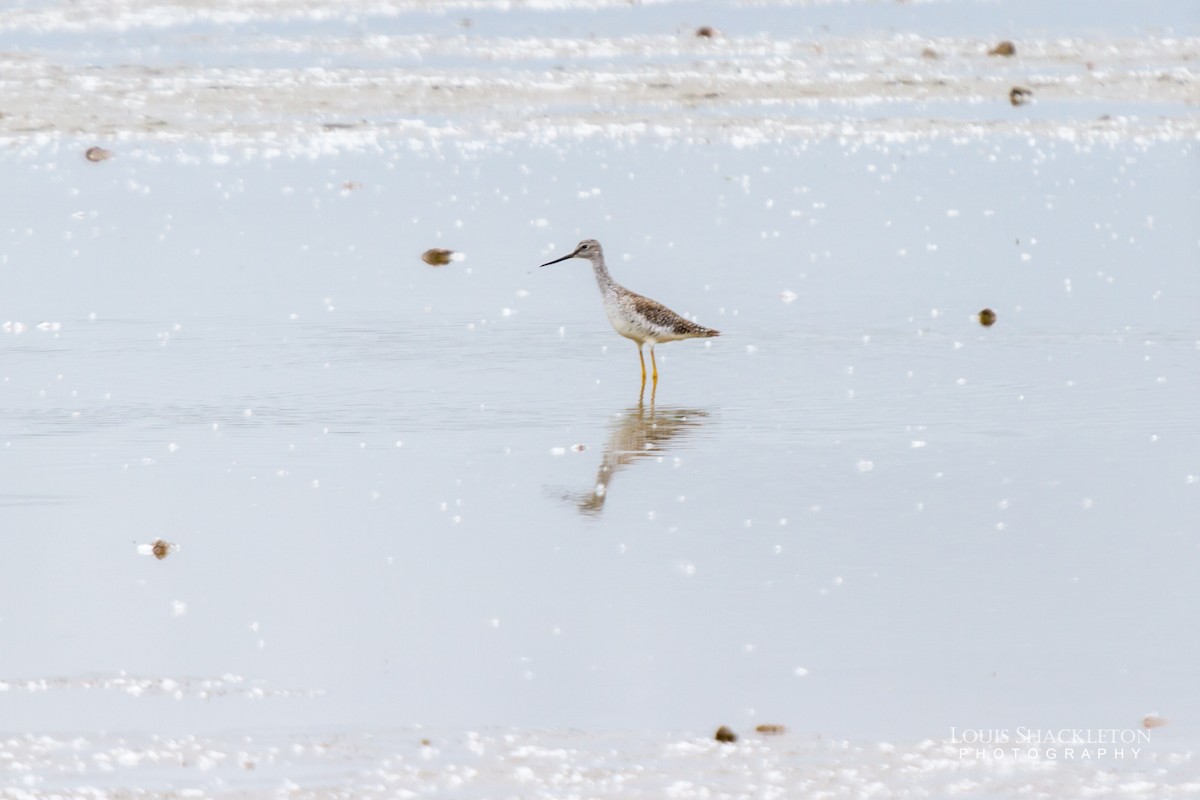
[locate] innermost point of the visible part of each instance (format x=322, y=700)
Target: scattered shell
x=724, y=734
x=95, y=154
x=987, y=317
x=1019, y=95
x=437, y=257
x=771, y=729
x=929, y=52
x=1005, y=48
x=706, y=32
x=579, y=448
x=1154, y=721
x=159, y=548
x=425, y=743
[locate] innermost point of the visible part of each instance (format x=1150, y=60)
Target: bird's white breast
x=628, y=328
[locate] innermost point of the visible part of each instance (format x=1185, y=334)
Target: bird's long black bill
x=555, y=261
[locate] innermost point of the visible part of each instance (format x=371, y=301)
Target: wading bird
x=635, y=317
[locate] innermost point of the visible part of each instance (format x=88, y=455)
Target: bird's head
x=588, y=248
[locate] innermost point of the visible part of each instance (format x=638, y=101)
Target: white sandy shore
x=569, y=764
x=271, y=73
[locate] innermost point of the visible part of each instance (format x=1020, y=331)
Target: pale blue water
x=942, y=524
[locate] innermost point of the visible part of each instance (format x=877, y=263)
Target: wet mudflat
x=271, y=480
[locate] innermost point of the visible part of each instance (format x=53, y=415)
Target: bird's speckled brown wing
x=666, y=320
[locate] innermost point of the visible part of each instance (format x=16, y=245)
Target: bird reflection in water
x=643, y=431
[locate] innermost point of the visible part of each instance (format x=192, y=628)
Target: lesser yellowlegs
x=635, y=317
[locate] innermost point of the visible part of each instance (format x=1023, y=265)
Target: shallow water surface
x=413, y=494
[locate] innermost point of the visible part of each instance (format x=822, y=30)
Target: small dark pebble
x=987, y=318
x=929, y=52
x=437, y=256
x=1019, y=95
x=1005, y=48
x=725, y=735
x=96, y=154
x=771, y=729
x=706, y=32
x=161, y=549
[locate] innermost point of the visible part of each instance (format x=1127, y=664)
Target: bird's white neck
x=603, y=279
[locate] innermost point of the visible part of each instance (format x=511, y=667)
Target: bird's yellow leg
x=642, y=358
x=654, y=364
